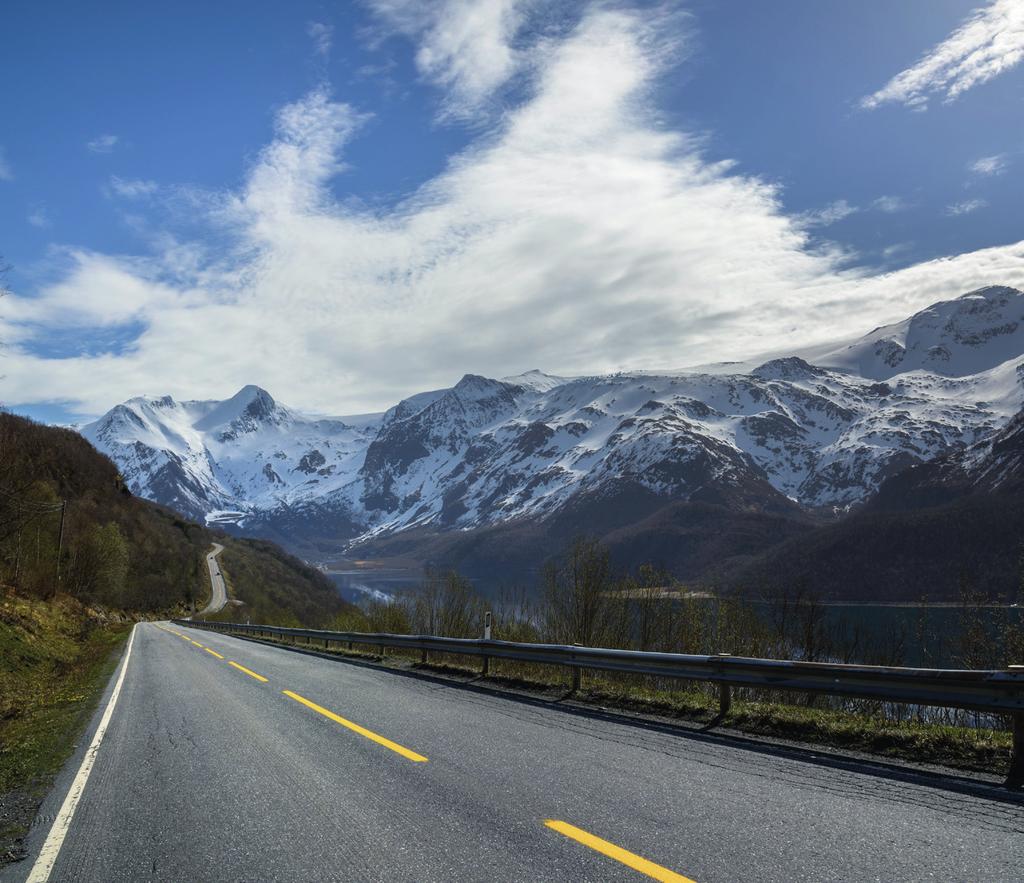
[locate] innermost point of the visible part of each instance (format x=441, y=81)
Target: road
x=228, y=760
x=218, y=592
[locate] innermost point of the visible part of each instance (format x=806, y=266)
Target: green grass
x=55, y=658
x=963, y=748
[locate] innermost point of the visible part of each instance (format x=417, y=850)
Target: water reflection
x=373, y=584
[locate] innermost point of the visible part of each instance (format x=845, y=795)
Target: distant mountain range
x=707, y=473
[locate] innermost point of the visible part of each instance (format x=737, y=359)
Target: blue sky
x=347, y=203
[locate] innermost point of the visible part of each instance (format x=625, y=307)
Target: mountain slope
x=952, y=524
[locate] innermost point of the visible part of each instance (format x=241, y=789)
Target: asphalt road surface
x=218, y=593
x=227, y=760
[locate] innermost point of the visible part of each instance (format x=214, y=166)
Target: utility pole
x=60, y=542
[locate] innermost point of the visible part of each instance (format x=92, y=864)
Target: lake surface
x=359, y=584
x=928, y=635
x=931, y=635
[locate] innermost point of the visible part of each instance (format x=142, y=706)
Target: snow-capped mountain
x=787, y=436
x=222, y=460
x=955, y=338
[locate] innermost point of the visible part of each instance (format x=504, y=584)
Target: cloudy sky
x=349, y=202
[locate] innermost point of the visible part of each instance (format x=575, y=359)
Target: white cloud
x=990, y=165
x=465, y=46
x=890, y=204
x=39, y=217
x=102, y=143
x=988, y=43
x=966, y=207
x=830, y=214
x=6, y=174
x=321, y=34
x=897, y=248
x=131, y=188
x=97, y=291
x=579, y=235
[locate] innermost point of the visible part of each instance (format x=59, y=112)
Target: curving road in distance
x=218, y=592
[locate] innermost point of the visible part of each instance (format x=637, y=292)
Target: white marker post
x=487, y=637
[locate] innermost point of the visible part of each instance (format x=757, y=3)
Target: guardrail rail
x=996, y=691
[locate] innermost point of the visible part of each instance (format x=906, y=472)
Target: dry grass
x=55, y=658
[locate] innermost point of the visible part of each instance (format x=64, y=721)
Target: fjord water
x=926, y=635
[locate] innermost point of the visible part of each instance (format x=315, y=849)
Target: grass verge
x=55, y=658
x=971, y=749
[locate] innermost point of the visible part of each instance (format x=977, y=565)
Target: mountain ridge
x=789, y=438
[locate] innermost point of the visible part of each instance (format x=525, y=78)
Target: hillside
x=121, y=551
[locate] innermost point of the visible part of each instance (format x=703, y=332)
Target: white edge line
x=55, y=839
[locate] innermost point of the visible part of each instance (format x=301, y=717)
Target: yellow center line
x=196, y=643
x=656, y=872
x=251, y=674
x=362, y=731
x=186, y=637
x=214, y=652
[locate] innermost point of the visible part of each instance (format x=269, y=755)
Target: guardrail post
x=423, y=657
x=577, y=674
x=724, y=695
x=1015, y=774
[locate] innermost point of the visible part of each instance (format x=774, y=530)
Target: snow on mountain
x=535, y=379
x=784, y=434
x=224, y=460
x=955, y=338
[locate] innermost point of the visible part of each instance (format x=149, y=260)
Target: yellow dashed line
x=631, y=860
x=251, y=674
x=362, y=731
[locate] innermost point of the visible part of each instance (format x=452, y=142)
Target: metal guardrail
x=994, y=691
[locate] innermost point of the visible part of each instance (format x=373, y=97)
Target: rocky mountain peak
x=248, y=409
x=955, y=338
x=790, y=368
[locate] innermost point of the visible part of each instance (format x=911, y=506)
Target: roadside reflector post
x=724, y=695
x=1015, y=774
x=485, y=667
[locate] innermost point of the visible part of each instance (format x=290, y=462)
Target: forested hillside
x=119, y=551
